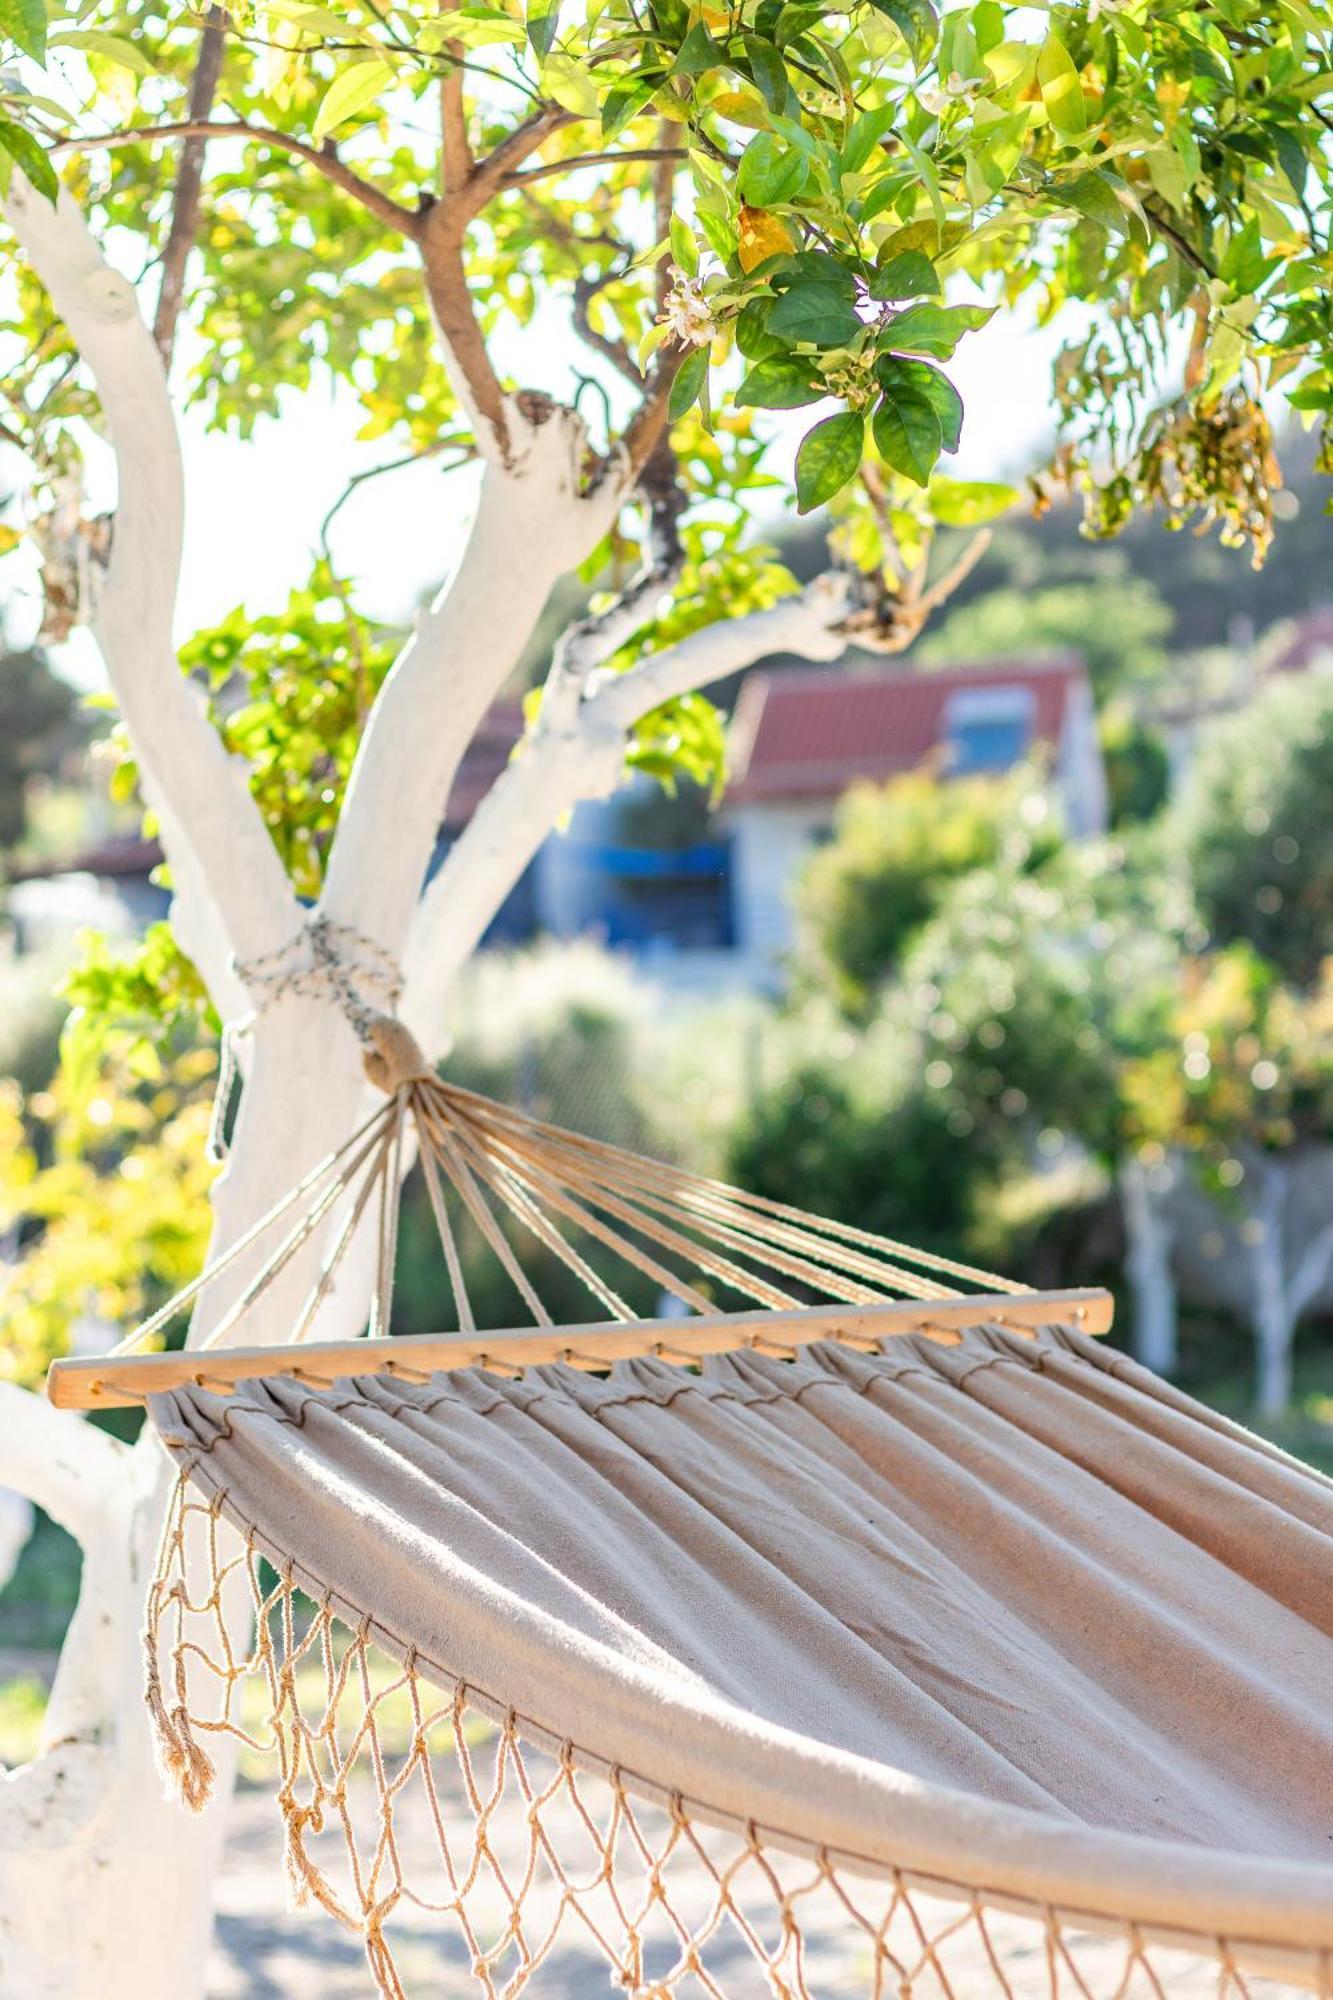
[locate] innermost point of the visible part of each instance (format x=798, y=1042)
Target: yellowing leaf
x=353, y=90
x=761, y=235
x=740, y=107
x=571, y=85
x=1061, y=88
x=9, y=538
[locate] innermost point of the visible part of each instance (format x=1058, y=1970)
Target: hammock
x=896, y=1605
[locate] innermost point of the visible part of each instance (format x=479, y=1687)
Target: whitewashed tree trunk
x=1150, y=1234
x=106, y=1886
x=1284, y=1281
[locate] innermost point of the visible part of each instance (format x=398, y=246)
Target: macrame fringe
x=401, y=1799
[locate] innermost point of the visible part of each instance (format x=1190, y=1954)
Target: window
x=987, y=729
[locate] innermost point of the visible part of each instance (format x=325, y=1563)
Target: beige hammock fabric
x=934, y=1632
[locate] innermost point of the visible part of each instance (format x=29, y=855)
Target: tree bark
x=86, y=1828
x=1150, y=1234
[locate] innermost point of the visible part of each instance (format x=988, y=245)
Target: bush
x=1257, y=831
x=896, y=850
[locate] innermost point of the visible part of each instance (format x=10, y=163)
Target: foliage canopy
x=836, y=195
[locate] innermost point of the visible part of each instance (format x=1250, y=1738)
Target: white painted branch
x=1312, y=1268
x=533, y=523
x=82, y=1478
x=69, y=1469
x=579, y=757
x=218, y=848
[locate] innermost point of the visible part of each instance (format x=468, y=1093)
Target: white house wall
x=770, y=843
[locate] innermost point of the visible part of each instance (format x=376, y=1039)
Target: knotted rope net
x=413, y=1786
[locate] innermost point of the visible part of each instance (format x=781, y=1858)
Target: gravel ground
x=266, y=1951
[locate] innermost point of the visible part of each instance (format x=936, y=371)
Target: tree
x=895, y=851
x=390, y=191
x=1255, y=826
x=1034, y=998
x=1242, y=1086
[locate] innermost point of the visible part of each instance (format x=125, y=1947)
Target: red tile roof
x=811, y=732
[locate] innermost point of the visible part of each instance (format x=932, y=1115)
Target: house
x=707, y=903
x=801, y=737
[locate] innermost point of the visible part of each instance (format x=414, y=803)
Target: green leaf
x=769, y=72
x=814, y=313
x=352, y=90
x=907, y=433
x=688, y=383
x=753, y=338
x=624, y=102
x=969, y=503
x=1061, y=88
x=24, y=22
x=698, y=53
x=895, y=375
x=915, y=21
x=783, y=383
x=27, y=153
x=865, y=135
x=909, y=275
x=113, y=48
x=933, y=330
x=571, y=84
x=828, y=456
x=683, y=246
x=543, y=23
x=1093, y=195
x=770, y=173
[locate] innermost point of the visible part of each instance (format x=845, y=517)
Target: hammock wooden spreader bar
x=796, y=1278
x=925, y=1674
x=120, y=1384
x=862, y=1595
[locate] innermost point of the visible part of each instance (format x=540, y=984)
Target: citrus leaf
x=827, y=458
x=907, y=433
x=933, y=330
x=352, y=90
x=969, y=503
x=815, y=313
x=24, y=22
x=759, y=237
x=770, y=173
x=909, y=275
x=783, y=383
x=897, y=374
x=34, y=159
x=543, y=25
x=915, y=21
x=689, y=380
x=1061, y=88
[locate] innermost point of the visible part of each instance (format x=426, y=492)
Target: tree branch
x=223, y=863
x=64, y=1464
x=576, y=752
x=189, y=185
x=456, y=150
x=547, y=168
x=475, y=382
x=534, y=521
x=324, y=159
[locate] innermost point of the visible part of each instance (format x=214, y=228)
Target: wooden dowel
x=122, y=1382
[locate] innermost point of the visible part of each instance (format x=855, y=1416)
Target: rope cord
x=323, y=960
